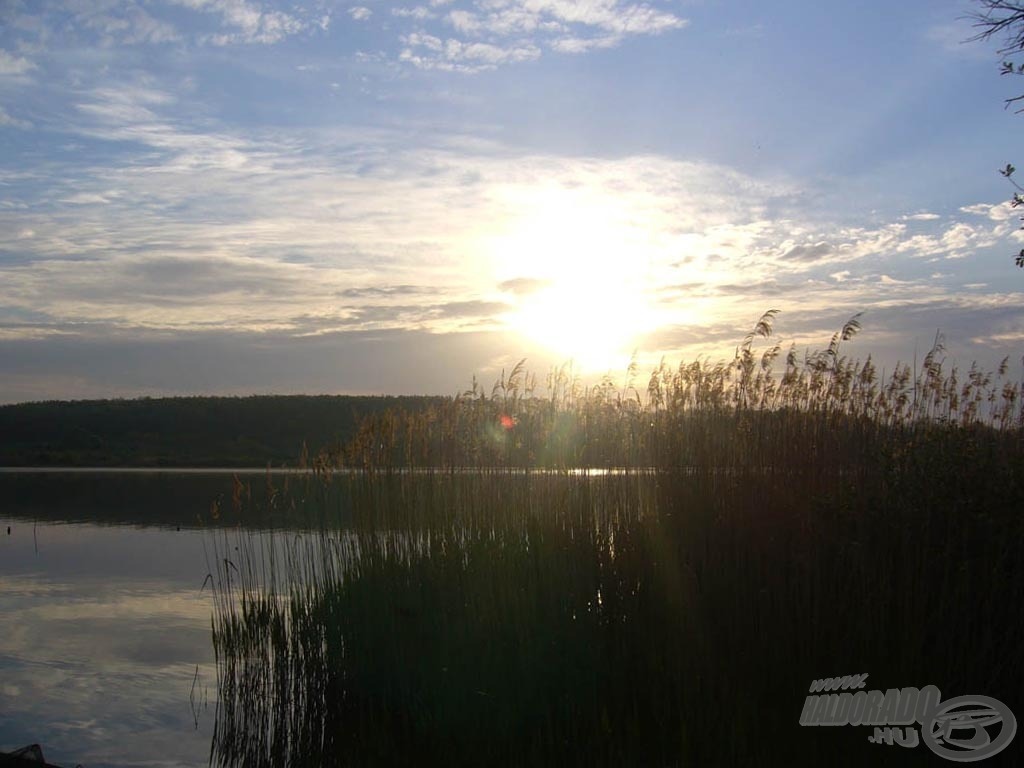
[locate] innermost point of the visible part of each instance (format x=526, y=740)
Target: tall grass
x=774, y=529
x=745, y=413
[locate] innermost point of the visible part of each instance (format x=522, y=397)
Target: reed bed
x=766, y=530
x=745, y=413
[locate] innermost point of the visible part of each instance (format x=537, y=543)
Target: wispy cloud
x=215, y=175
x=475, y=36
x=12, y=122
x=116, y=258
x=418, y=12
x=113, y=23
x=126, y=23
x=248, y=21
x=312, y=233
x=10, y=64
x=584, y=44
x=429, y=52
x=490, y=33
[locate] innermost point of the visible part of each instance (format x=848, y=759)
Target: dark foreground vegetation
x=767, y=531
x=183, y=431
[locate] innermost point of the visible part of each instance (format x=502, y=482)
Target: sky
x=246, y=196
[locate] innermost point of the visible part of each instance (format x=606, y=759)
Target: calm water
x=103, y=623
x=106, y=656
x=707, y=598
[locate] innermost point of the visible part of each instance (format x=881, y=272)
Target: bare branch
x=1000, y=18
x=1005, y=18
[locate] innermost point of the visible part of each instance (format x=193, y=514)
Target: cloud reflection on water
x=103, y=630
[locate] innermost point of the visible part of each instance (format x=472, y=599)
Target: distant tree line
x=186, y=431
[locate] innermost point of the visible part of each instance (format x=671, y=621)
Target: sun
x=587, y=319
x=580, y=265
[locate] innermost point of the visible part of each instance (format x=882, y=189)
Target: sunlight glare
x=587, y=257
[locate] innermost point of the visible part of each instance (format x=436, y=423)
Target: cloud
x=960, y=238
x=14, y=65
x=611, y=15
x=419, y=12
x=7, y=120
x=420, y=40
x=584, y=45
x=428, y=52
x=807, y=252
x=1006, y=216
x=378, y=291
x=94, y=363
x=979, y=209
x=478, y=35
x=521, y=286
x=52, y=26
x=267, y=242
x=489, y=33
x=125, y=23
x=131, y=113
x=887, y=280
x=470, y=309
x=929, y=240
x=348, y=235
x=86, y=198
x=248, y=21
x=112, y=23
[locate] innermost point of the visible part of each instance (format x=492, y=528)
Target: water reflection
x=166, y=499
x=489, y=618
x=103, y=631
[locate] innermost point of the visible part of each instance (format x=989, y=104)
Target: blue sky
x=238, y=196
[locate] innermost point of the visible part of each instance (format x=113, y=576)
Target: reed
x=745, y=414
x=765, y=530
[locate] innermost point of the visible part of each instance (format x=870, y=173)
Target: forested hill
x=183, y=431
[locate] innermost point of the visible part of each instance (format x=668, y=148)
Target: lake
x=501, y=618
x=105, y=653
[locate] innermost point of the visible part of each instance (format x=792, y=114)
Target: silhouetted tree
x=1005, y=19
